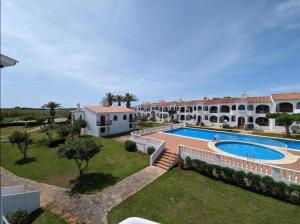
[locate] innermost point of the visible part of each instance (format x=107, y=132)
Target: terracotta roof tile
x=286, y=96
x=222, y=100
x=259, y=99
x=111, y=109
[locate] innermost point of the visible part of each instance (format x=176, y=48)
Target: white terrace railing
x=159, y=145
x=277, y=173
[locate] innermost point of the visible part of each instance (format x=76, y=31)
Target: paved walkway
x=80, y=208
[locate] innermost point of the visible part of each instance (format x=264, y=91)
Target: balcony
x=104, y=123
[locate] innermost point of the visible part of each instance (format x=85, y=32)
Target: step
x=165, y=159
x=166, y=163
x=162, y=166
x=169, y=154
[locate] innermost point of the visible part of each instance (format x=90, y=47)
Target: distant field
x=15, y=114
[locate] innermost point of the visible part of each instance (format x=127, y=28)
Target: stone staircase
x=166, y=159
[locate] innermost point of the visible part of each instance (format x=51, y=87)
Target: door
x=102, y=120
x=241, y=122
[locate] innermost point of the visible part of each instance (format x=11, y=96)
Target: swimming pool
x=210, y=135
x=249, y=150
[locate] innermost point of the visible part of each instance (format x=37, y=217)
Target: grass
x=44, y=216
x=149, y=124
x=188, y=197
x=111, y=165
x=9, y=130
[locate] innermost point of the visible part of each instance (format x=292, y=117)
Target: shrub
x=150, y=150
x=17, y=217
x=263, y=185
x=130, y=146
x=175, y=121
x=295, y=129
x=188, y=161
x=226, y=126
x=249, y=126
x=57, y=142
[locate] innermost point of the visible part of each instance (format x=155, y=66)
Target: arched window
x=250, y=119
x=224, y=109
x=125, y=117
x=298, y=106
x=233, y=107
x=223, y=119
x=233, y=118
x=262, y=121
x=206, y=118
x=182, y=109
x=205, y=108
x=250, y=108
x=284, y=107
x=189, y=117
x=213, y=109
x=262, y=109
x=241, y=107
x=213, y=119
x=116, y=117
x=199, y=108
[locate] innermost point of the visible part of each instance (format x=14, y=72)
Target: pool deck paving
x=82, y=208
x=173, y=141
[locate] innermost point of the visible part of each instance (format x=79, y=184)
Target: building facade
x=106, y=120
x=233, y=111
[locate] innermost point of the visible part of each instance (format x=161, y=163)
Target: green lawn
x=44, y=216
x=188, y=197
x=111, y=165
x=9, y=130
x=149, y=124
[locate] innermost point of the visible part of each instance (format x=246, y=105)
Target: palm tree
x=52, y=106
x=119, y=99
x=128, y=98
x=109, y=97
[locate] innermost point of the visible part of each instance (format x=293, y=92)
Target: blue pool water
x=249, y=150
x=210, y=135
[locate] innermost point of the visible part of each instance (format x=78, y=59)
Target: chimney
x=78, y=106
x=104, y=103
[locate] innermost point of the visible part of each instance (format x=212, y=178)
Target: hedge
x=130, y=146
x=263, y=185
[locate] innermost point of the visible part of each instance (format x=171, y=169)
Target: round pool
x=249, y=150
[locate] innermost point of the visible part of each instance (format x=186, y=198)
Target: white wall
x=120, y=125
x=13, y=199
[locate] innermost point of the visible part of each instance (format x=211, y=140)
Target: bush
x=55, y=143
x=130, y=146
x=17, y=217
x=188, y=161
x=175, y=121
x=249, y=126
x=263, y=185
x=150, y=150
x=295, y=129
x=226, y=126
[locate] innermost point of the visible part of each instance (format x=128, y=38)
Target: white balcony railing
x=278, y=173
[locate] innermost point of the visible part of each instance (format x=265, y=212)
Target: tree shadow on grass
x=34, y=215
x=91, y=182
x=25, y=161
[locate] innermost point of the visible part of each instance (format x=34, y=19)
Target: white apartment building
x=234, y=111
x=106, y=120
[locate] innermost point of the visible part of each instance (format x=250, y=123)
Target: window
x=102, y=130
x=213, y=119
x=206, y=117
x=206, y=109
x=182, y=118
x=130, y=126
x=115, y=117
x=262, y=109
x=298, y=106
x=284, y=107
x=233, y=118
x=262, y=121
x=195, y=107
x=124, y=117
x=199, y=108
x=241, y=107
x=233, y=107
x=250, y=108
x=250, y=119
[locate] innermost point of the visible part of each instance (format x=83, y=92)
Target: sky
x=75, y=51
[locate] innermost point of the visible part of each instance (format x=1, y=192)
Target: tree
x=286, y=118
x=128, y=98
x=119, y=99
x=22, y=140
x=52, y=106
x=79, y=149
x=109, y=98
